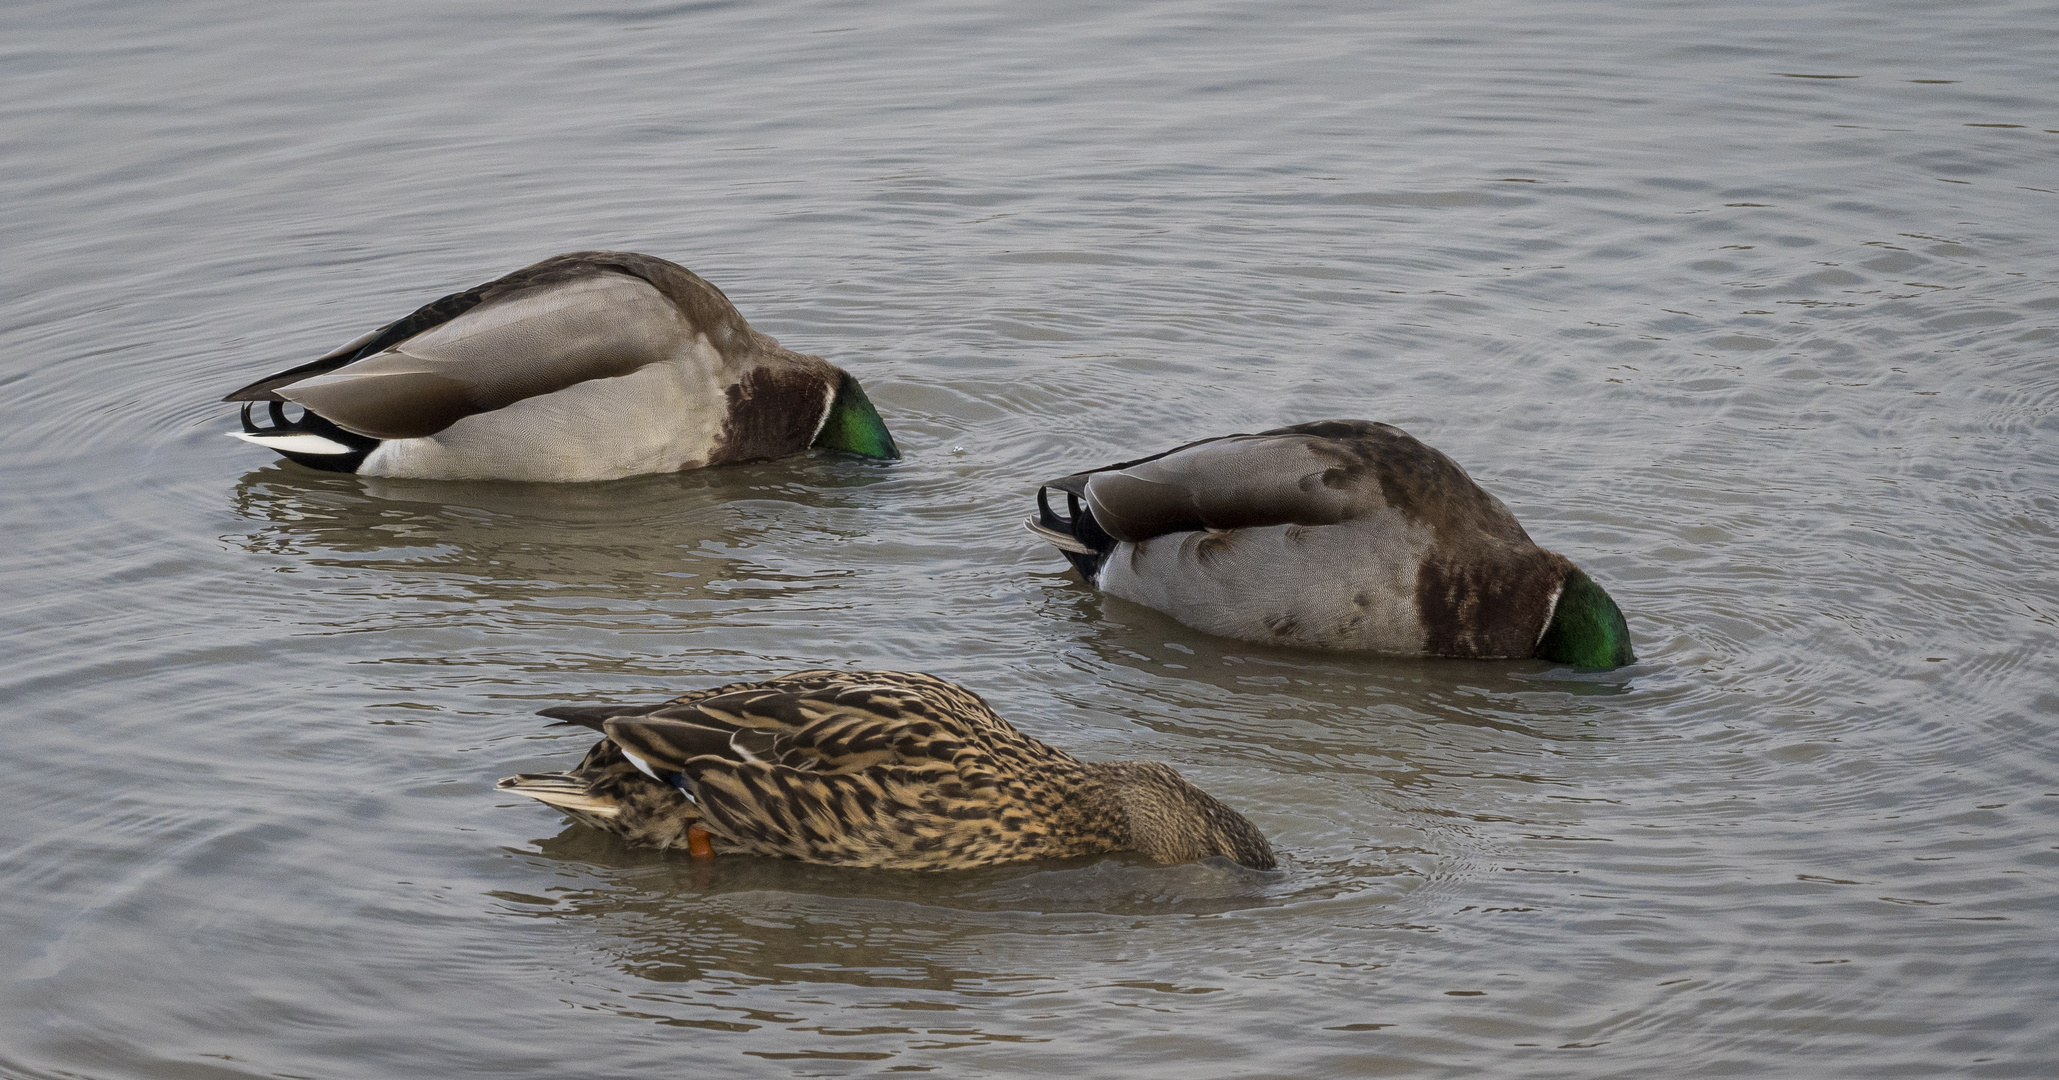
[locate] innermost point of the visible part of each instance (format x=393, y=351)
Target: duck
x=884, y=769
x=591, y=365
x=1338, y=534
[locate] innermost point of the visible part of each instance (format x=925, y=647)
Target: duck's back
x=1339, y=534
x=590, y=365
x=891, y=769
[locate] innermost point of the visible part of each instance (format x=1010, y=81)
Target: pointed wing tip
x=586, y=716
x=1074, y=484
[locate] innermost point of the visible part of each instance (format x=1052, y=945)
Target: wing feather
x=888, y=769
x=1321, y=473
x=1244, y=481
x=496, y=353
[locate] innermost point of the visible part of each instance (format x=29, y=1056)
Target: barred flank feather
x=883, y=769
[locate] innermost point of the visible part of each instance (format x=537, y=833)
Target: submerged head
x=1172, y=821
x=853, y=425
x=1587, y=628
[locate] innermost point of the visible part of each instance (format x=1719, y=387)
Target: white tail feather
x=641, y=765
x=298, y=444
x=1057, y=539
x=561, y=791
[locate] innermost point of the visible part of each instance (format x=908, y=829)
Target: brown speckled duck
x=886, y=769
x=588, y=366
x=1342, y=534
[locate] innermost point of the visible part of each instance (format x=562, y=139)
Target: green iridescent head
x=854, y=426
x=1587, y=628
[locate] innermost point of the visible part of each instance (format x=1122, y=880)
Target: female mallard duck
x=588, y=366
x=888, y=769
x=1342, y=534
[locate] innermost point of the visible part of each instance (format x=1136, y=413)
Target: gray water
x=1748, y=308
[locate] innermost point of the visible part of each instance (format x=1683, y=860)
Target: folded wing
x=1236, y=482
x=834, y=773
x=497, y=353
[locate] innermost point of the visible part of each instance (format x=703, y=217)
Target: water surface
x=1748, y=308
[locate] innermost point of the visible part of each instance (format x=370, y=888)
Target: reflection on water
x=507, y=541
x=503, y=529
x=562, y=560
x=1104, y=885
x=878, y=966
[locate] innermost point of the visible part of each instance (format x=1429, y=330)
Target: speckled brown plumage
x=887, y=769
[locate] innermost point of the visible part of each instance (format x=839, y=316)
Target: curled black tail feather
x=1080, y=525
x=310, y=424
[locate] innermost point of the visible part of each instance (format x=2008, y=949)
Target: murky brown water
x=1749, y=308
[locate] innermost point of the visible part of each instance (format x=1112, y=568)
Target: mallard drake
x=886, y=769
x=1343, y=534
x=588, y=366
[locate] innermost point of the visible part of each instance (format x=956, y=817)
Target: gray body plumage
x=1340, y=535
x=586, y=366
x=1287, y=584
